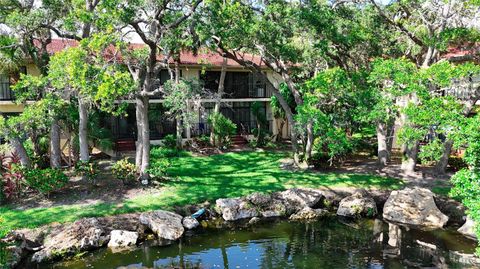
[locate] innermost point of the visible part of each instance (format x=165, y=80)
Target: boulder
x=121, y=239
x=236, y=208
x=166, y=225
x=259, y=199
x=309, y=213
x=14, y=256
x=414, y=206
x=267, y=205
x=126, y=222
x=190, y=223
x=254, y=221
x=67, y=240
x=468, y=229
x=358, y=204
x=296, y=199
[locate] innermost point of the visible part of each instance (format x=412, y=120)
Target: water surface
x=329, y=243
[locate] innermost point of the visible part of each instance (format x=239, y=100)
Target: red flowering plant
x=12, y=176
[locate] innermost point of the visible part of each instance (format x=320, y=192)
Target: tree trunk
x=221, y=86
x=441, y=165
x=83, y=131
x=55, y=150
x=383, y=152
x=309, y=144
x=280, y=130
x=142, y=156
x=19, y=149
x=179, y=130
x=138, y=143
x=291, y=123
x=410, y=158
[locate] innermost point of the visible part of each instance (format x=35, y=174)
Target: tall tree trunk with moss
x=178, y=118
x=410, y=149
x=142, y=157
x=309, y=143
x=221, y=86
x=441, y=165
x=55, y=150
x=83, y=130
x=19, y=149
x=291, y=123
x=382, y=144
x=410, y=157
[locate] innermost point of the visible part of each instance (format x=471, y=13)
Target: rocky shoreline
x=415, y=206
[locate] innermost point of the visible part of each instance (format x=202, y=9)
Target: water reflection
x=325, y=244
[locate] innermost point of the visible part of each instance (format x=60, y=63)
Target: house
x=242, y=89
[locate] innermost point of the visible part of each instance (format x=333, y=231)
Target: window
x=5, y=82
x=5, y=92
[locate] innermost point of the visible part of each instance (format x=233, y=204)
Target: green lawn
x=198, y=179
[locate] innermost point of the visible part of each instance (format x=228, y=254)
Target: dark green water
x=325, y=244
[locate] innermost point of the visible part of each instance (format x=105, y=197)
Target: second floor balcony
x=237, y=84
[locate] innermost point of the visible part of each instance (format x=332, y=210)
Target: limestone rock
x=190, y=223
x=296, y=199
x=259, y=199
x=121, y=239
x=166, y=225
x=67, y=240
x=254, y=220
x=309, y=213
x=267, y=205
x=126, y=222
x=15, y=255
x=358, y=204
x=414, y=206
x=236, y=208
x=468, y=229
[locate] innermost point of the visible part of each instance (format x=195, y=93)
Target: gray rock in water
x=190, y=223
x=67, y=240
x=14, y=255
x=121, y=239
x=414, y=206
x=254, y=220
x=166, y=225
x=468, y=229
x=236, y=208
x=296, y=199
x=358, y=204
x=259, y=199
x=308, y=213
x=266, y=205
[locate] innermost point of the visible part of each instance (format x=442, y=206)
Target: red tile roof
x=462, y=52
x=203, y=57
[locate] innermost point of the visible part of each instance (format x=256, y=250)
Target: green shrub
x=124, y=170
x=87, y=169
x=431, y=152
x=170, y=141
x=45, y=180
x=222, y=128
x=161, y=152
x=334, y=144
x=158, y=168
x=203, y=139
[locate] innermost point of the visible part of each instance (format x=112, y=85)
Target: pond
x=329, y=243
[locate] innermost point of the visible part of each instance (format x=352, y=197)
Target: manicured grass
x=197, y=179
